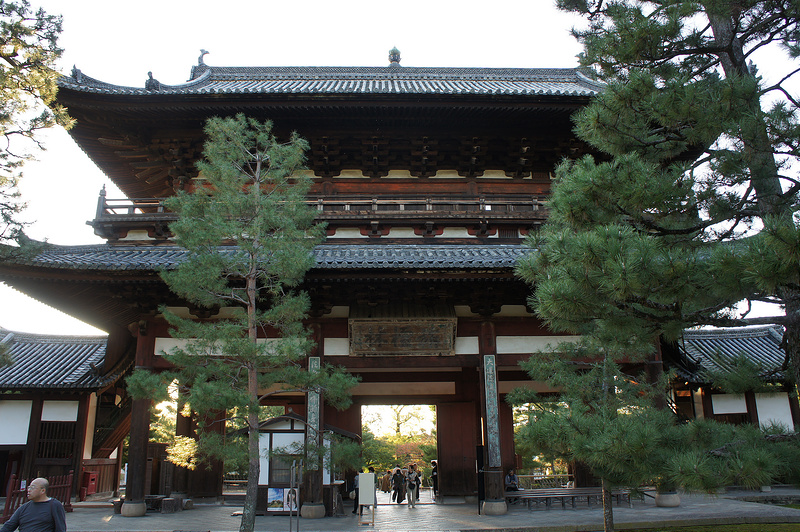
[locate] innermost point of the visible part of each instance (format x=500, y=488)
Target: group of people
x=404, y=483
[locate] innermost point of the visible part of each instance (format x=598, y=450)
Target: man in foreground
x=40, y=514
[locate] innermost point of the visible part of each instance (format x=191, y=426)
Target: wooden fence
x=60, y=488
x=107, y=473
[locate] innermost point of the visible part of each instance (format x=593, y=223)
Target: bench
x=563, y=495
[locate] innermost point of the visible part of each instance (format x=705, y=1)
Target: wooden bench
x=573, y=495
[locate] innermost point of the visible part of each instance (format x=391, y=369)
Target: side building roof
x=54, y=362
x=715, y=350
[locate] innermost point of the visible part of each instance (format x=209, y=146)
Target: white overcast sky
x=120, y=42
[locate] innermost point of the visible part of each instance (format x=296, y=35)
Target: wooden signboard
x=403, y=336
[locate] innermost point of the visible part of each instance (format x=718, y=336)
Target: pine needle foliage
x=28, y=54
x=692, y=204
x=249, y=236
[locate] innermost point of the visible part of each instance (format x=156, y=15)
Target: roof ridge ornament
x=152, y=84
x=77, y=75
x=200, y=61
x=394, y=57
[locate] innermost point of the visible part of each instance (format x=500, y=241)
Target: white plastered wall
x=773, y=409
x=15, y=418
x=726, y=403
x=60, y=410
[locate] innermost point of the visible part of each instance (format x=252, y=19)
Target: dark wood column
x=34, y=430
x=493, y=467
x=140, y=428
x=183, y=427
x=313, y=506
x=794, y=407
x=708, y=407
x=752, y=408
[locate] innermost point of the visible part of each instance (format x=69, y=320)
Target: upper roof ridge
x=356, y=79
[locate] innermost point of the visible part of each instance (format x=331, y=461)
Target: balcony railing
x=153, y=208
x=116, y=217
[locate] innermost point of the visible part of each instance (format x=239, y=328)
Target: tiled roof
x=328, y=256
x=357, y=80
x=716, y=349
x=53, y=362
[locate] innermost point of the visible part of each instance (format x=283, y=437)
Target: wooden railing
x=528, y=482
x=60, y=488
x=154, y=207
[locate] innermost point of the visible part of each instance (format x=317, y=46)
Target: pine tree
x=249, y=236
x=28, y=53
x=692, y=205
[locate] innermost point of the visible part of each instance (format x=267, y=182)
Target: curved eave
x=102, y=284
x=144, y=105
x=107, y=259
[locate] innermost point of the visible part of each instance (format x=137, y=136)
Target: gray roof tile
x=53, y=362
x=716, y=349
x=328, y=256
x=360, y=80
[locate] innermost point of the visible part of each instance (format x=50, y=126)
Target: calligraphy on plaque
x=430, y=336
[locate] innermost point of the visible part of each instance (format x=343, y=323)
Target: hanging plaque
x=429, y=336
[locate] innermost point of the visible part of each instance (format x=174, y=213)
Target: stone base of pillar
x=494, y=508
x=133, y=509
x=312, y=511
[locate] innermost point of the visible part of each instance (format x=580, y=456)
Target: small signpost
x=366, y=499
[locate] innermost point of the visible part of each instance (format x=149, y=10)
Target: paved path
x=694, y=510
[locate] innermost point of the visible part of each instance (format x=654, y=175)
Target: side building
x=62, y=409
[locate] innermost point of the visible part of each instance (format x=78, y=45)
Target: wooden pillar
x=183, y=427
x=84, y=404
x=752, y=408
x=495, y=503
x=34, y=430
x=708, y=406
x=794, y=407
x=134, y=505
x=313, y=506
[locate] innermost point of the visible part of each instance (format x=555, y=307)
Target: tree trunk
x=254, y=459
x=608, y=508
x=757, y=146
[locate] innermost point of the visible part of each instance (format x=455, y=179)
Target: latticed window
x=56, y=439
x=280, y=469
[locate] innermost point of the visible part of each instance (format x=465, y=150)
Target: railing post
x=101, y=203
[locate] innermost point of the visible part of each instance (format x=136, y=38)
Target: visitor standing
x=412, y=477
x=435, y=479
x=40, y=514
x=399, y=486
x=386, y=482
